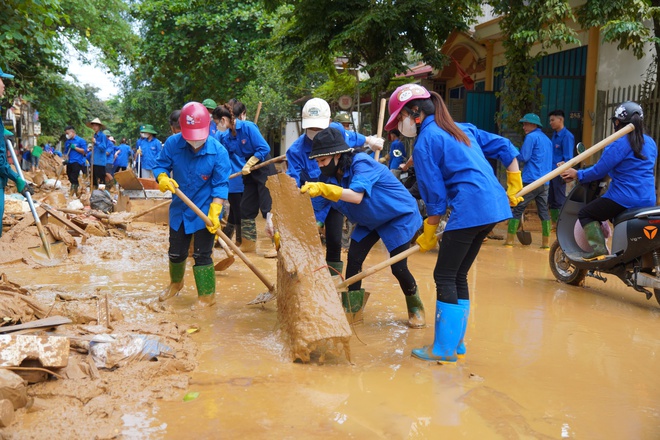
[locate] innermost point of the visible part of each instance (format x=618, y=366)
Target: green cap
x=106, y=132
x=532, y=118
x=343, y=118
x=148, y=128
x=209, y=104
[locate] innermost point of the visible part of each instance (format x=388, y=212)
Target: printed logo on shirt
x=243, y=141
x=204, y=177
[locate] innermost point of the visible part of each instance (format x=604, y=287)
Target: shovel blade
x=224, y=263
x=58, y=252
x=262, y=298
x=524, y=237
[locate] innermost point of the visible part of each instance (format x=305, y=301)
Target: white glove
x=374, y=143
x=270, y=228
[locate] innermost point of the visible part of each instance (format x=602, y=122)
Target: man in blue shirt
x=75, y=149
x=122, y=154
x=150, y=148
x=536, y=155
x=563, y=143
x=100, y=146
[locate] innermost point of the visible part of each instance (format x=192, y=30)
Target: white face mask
x=197, y=144
x=144, y=135
x=407, y=127
x=311, y=133
x=69, y=136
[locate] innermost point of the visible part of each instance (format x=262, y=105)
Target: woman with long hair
x=630, y=162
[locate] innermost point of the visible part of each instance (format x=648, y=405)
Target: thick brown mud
x=544, y=359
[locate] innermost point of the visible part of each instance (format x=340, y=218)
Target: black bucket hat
x=328, y=142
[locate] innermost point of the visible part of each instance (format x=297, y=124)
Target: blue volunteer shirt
x=492, y=145
x=201, y=175
x=99, y=148
x=353, y=139
x=397, y=154
x=150, y=151
x=235, y=184
x=633, y=184
x=387, y=207
x=453, y=175
x=248, y=141
x=74, y=156
x=304, y=169
x=563, y=143
x=124, y=152
x=536, y=156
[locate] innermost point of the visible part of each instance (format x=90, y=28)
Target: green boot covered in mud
x=511, y=232
x=335, y=267
x=416, y=315
x=177, y=270
x=353, y=302
x=205, y=282
x=596, y=240
x=554, y=215
x=546, y=226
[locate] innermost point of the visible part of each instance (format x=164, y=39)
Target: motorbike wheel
x=563, y=269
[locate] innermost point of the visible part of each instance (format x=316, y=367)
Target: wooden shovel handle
x=380, y=266
x=381, y=119
x=226, y=239
x=262, y=164
x=576, y=160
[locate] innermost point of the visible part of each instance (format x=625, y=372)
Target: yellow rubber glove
x=166, y=184
x=276, y=239
x=513, y=187
x=315, y=189
x=428, y=240
x=215, y=209
x=249, y=164
x=138, y=152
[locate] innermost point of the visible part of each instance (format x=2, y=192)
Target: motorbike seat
x=632, y=213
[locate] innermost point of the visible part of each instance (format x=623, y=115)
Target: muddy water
x=545, y=360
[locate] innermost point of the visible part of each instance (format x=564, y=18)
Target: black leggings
x=73, y=170
x=600, y=210
x=358, y=251
x=202, y=246
x=458, y=250
x=334, y=223
x=99, y=174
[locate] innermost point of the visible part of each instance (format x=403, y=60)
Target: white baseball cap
x=316, y=114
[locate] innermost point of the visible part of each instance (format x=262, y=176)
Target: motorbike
x=635, y=254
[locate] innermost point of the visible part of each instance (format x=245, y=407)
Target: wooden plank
x=21, y=226
x=51, y=321
x=65, y=220
x=128, y=180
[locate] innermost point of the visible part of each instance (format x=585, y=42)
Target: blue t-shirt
x=150, y=151
x=248, y=141
x=535, y=156
x=75, y=156
x=563, y=143
x=397, y=154
x=201, y=175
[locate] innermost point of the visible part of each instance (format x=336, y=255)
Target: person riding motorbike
x=630, y=162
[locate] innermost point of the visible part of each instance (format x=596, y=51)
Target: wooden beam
x=65, y=220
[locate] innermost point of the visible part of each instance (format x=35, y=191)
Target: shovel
x=524, y=237
x=224, y=263
x=46, y=244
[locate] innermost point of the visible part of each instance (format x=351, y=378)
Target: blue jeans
x=540, y=196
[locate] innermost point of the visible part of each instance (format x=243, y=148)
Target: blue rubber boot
x=465, y=303
x=449, y=319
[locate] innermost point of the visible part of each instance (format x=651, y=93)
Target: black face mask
x=330, y=169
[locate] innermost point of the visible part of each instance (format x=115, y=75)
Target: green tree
x=377, y=37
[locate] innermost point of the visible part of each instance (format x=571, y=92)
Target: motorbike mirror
x=580, y=148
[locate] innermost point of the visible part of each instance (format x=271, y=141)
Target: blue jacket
x=493, y=146
x=397, y=145
x=633, y=184
x=100, y=147
x=236, y=184
x=563, y=143
x=74, y=156
x=125, y=152
x=248, y=141
x=352, y=138
x=213, y=129
x=110, y=153
x=387, y=206
x=201, y=176
x=452, y=175
x=150, y=151
x=536, y=155
x=304, y=169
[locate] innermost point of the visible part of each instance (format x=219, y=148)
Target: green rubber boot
x=511, y=232
x=177, y=270
x=353, y=302
x=416, y=315
x=546, y=227
x=596, y=239
x=554, y=215
x=205, y=282
x=335, y=267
